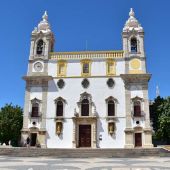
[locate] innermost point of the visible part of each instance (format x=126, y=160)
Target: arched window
x=133, y=45
x=137, y=108
x=85, y=107
x=35, y=110
x=59, y=111
x=111, y=108
x=40, y=47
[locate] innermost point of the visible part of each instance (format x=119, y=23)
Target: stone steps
x=84, y=153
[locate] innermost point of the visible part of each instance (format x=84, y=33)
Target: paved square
x=51, y=163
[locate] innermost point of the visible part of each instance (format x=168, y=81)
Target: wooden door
x=33, y=139
x=84, y=135
x=138, y=139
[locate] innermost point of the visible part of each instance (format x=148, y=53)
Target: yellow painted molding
x=136, y=72
x=61, y=68
x=110, y=67
x=106, y=76
x=135, y=64
x=83, y=63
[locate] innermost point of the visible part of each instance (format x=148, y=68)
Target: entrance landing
x=84, y=152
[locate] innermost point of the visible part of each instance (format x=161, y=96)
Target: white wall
x=71, y=93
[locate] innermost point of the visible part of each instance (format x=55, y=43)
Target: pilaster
x=128, y=130
x=146, y=105
x=44, y=106
x=26, y=107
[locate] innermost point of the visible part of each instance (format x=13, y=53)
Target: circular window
x=60, y=83
x=110, y=82
x=137, y=122
x=85, y=83
x=34, y=123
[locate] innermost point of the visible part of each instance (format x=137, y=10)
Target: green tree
x=11, y=119
x=154, y=112
x=163, y=131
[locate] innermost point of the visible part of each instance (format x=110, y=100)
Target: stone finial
x=44, y=26
x=131, y=13
x=45, y=16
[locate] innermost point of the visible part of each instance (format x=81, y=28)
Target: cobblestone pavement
x=48, y=163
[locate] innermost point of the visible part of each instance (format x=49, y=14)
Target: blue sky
x=73, y=22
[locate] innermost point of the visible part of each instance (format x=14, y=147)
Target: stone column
x=94, y=135
x=74, y=133
x=147, y=129
x=25, y=130
x=128, y=131
x=146, y=105
x=44, y=112
x=42, y=139
x=30, y=67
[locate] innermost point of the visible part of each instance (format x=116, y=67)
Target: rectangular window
x=86, y=64
x=35, y=110
x=86, y=68
x=61, y=68
x=110, y=67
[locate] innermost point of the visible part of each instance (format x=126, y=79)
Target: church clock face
x=38, y=66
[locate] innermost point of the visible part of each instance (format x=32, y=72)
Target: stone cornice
x=38, y=77
x=135, y=78
x=38, y=80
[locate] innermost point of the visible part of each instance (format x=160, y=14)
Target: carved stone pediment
x=137, y=98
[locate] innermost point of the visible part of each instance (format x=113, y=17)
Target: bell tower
x=37, y=78
x=42, y=40
x=133, y=45
x=136, y=85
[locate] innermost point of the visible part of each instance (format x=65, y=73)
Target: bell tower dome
x=42, y=40
x=133, y=35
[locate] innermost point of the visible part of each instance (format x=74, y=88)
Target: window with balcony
x=59, y=110
x=137, y=108
x=85, y=107
x=35, y=110
x=60, y=105
x=111, y=108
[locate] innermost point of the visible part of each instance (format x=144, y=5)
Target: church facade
x=94, y=99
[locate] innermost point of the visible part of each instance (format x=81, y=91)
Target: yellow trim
x=89, y=68
x=104, y=76
x=86, y=55
x=135, y=64
x=60, y=72
x=110, y=67
x=136, y=72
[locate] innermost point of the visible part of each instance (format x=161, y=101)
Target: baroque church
x=94, y=99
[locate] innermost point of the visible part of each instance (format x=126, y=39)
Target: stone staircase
x=84, y=152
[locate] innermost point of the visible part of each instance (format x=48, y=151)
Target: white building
x=96, y=99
